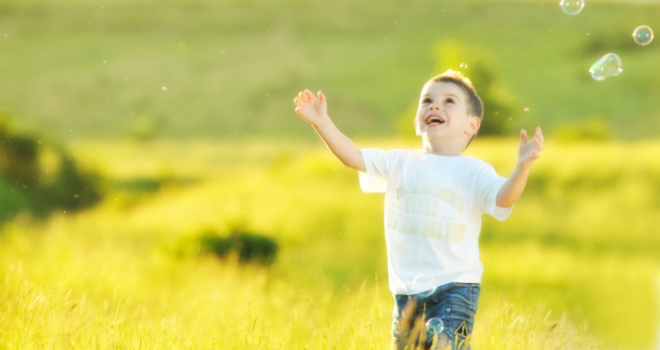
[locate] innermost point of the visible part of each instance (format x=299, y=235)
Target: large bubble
x=571, y=7
x=643, y=35
x=425, y=283
x=607, y=66
x=434, y=326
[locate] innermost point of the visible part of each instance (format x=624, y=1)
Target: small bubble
x=463, y=65
x=607, y=66
x=164, y=88
x=435, y=326
x=526, y=109
x=571, y=7
x=643, y=35
x=104, y=61
x=425, y=284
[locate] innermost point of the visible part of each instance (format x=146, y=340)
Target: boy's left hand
x=528, y=152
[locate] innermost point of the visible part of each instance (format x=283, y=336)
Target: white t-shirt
x=433, y=209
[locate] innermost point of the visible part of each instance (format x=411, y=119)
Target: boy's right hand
x=313, y=110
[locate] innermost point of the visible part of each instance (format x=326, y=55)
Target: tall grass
x=112, y=277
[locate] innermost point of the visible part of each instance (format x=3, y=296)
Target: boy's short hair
x=474, y=105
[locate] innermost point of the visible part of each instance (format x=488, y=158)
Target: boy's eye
x=427, y=100
x=449, y=100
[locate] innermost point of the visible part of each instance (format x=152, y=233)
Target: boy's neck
x=444, y=146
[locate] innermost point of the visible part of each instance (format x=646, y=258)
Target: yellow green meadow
x=574, y=267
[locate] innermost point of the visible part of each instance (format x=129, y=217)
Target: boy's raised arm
x=315, y=111
x=527, y=154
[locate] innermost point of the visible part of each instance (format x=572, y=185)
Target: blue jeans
x=454, y=303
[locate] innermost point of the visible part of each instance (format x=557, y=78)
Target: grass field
x=574, y=266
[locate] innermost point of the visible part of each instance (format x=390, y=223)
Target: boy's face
x=443, y=113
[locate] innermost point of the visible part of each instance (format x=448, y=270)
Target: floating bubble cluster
x=643, y=35
x=434, y=326
x=425, y=283
x=607, y=66
x=571, y=7
x=463, y=65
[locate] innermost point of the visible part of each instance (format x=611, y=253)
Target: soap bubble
x=425, y=283
x=526, y=109
x=463, y=65
x=571, y=7
x=434, y=326
x=643, y=35
x=607, y=66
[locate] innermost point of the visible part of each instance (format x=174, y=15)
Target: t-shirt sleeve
x=378, y=165
x=489, y=185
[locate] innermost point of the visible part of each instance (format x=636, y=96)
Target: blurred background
x=158, y=190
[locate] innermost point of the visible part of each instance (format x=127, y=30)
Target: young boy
x=433, y=204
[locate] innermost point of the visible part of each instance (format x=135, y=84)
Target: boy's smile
x=441, y=107
x=434, y=120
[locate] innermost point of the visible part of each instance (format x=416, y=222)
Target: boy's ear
x=473, y=126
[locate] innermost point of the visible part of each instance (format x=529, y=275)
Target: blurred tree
x=33, y=189
x=71, y=189
x=18, y=156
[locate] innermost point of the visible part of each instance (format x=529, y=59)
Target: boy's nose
x=434, y=107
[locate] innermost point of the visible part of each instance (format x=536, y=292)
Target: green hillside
x=88, y=69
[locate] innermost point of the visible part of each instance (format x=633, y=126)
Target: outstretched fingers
x=303, y=98
x=538, y=132
x=310, y=96
x=539, y=143
x=523, y=136
x=538, y=138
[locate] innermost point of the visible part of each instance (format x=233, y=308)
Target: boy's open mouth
x=434, y=120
